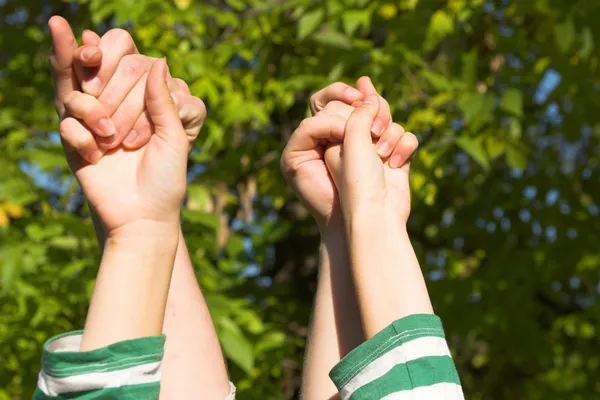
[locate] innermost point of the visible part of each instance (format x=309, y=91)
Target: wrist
x=376, y=223
x=144, y=233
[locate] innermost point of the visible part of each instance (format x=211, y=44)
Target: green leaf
x=334, y=39
x=494, y=147
x=200, y=217
x=309, y=23
x=477, y=109
x=440, y=26
x=236, y=346
x=270, y=341
x=353, y=19
x=512, y=102
x=565, y=34
x=516, y=157
x=474, y=148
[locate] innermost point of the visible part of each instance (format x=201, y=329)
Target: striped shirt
x=130, y=369
x=408, y=360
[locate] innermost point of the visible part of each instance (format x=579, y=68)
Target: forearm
x=193, y=361
x=131, y=289
x=388, y=279
x=336, y=326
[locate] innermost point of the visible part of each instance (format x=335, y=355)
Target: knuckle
x=201, y=107
x=181, y=83
x=334, y=104
x=121, y=35
x=70, y=99
x=131, y=65
x=65, y=127
x=411, y=139
x=337, y=86
x=305, y=125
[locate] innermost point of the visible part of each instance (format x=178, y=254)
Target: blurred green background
x=504, y=95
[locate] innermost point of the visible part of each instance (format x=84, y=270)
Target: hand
x=369, y=187
x=302, y=161
x=107, y=185
x=119, y=74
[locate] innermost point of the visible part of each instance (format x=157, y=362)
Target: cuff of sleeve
x=394, y=335
x=65, y=369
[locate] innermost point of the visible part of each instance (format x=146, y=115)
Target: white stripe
x=232, y=391
x=417, y=348
x=384, y=346
x=439, y=391
x=66, y=343
x=145, y=373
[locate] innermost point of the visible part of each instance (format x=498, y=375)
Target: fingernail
x=107, y=141
x=352, y=92
x=357, y=103
x=88, y=53
x=383, y=148
x=92, y=86
x=396, y=161
x=371, y=99
x=95, y=156
x=377, y=127
x=131, y=137
x=106, y=127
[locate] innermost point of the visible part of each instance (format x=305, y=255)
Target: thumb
x=357, y=134
x=159, y=103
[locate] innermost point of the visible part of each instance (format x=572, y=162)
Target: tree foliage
x=503, y=94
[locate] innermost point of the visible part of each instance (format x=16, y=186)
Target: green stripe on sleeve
x=424, y=371
x=129, y=369
x=116, y=356
x=401, y=331
x=147, y=391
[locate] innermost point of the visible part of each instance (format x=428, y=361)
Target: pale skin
x=345, y=313
x=127, y=203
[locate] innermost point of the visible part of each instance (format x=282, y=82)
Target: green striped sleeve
x=125, y=370
x=409, y=359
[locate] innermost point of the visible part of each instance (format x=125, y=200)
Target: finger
x=159, y=102
x=336, y=91
x=337, y=108
x=78, y=139
x=127, y=114
x=387, y=142
x=88, y=109
x=179, y=86
x=130, y=70
x=405, y=148
x=115, y=44
x=61, y=61
x=85, y=61
x=88, y=56
x=140, y=135
x=312, y=131
x=384, y=118
x=192, y=113
x=90, y=38
x=357, y=135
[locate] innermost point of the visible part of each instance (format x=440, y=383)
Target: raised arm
x=406, y=355
x=193, y=362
